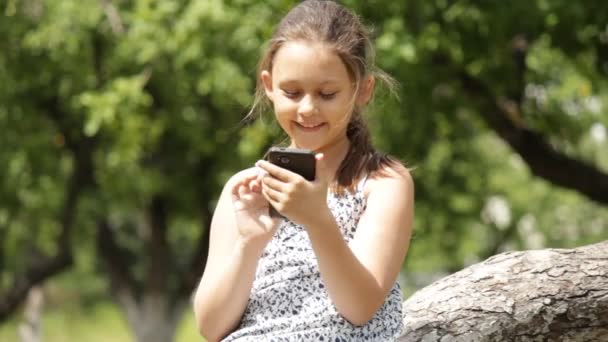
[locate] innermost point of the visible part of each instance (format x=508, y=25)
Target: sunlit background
x=121, y=120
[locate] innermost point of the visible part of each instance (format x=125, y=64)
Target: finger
x=321, y=172
x=243, y=190
x=235, y=191
x=271, y=202
x=255, y=186
x=272, y=196
x=259, y=179
x=247, y=182
x=276, y=171
x=247, y=195
x=241, y=179
x=236, y=197
x=250, y=175
x=247, y=175
x=261, y=173
x=274, y=184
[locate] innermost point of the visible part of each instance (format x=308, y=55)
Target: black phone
x=300, y=161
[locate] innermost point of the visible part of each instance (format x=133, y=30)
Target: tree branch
x=116, y=260
x=537, y=295
x=4, y=231
x=43, y=268
x=113, y=17
x=192, y=275
x=158, y=246
x=37, y=272
x=544, y=161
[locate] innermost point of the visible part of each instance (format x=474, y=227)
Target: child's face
x=312, y=93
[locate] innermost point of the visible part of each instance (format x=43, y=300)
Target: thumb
x=321, y=173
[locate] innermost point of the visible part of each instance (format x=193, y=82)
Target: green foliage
x=460, y=168
x=163, y=91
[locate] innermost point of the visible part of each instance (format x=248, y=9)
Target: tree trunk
x=540, y=295
x=153, y=305
x=153, y=318
x=31, y=328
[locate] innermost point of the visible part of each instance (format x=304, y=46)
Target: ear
x=267, y=82
x=366, y=90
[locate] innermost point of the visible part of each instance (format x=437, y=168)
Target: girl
x=326, y=271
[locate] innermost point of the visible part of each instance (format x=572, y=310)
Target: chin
x=312, y=147
x=314, y=144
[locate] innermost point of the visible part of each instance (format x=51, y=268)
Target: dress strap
x=362, y=181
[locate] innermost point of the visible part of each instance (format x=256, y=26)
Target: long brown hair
x=342, y=31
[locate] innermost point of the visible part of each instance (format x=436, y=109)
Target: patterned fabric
x=288, y=301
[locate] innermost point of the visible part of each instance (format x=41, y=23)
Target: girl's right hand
x=251, y=209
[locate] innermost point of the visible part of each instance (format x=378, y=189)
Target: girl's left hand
x=296, y=198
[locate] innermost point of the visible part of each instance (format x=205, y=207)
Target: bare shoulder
x=390, y=179
x=223, y=209
x=223, y=230
x=236, y=178
x=385, y=226
x=240, y=175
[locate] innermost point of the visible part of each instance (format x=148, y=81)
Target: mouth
x=309, y=127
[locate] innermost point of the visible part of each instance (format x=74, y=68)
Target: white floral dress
x=288, y=300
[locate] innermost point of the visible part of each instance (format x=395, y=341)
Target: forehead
x=308, y=62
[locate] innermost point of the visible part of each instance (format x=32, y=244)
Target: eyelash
x=295, y=94
x=328, y=96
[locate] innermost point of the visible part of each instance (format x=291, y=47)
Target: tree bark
x=30, y=330
x=538, y=295
x=152, y=315
x=154, y=318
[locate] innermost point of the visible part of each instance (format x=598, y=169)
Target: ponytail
x=361, y=160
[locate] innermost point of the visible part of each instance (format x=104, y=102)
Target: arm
x=358, y=278
x=223, y=292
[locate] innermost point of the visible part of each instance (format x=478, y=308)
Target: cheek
x=282, y=114
x=281, y=105
x=339, y=109
x=344, y=100
x=284, y=111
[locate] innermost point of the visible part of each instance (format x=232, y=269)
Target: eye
x=291, y=94
x=328, y=96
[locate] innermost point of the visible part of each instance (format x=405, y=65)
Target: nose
x=307, y=106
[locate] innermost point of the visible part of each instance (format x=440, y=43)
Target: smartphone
x=296, y=160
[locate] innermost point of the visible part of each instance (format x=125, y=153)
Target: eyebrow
x=288, y=81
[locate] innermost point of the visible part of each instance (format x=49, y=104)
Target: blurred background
x=121, y=120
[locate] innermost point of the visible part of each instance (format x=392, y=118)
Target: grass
x=101, y=323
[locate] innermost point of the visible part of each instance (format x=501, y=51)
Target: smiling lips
x=309, y=127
